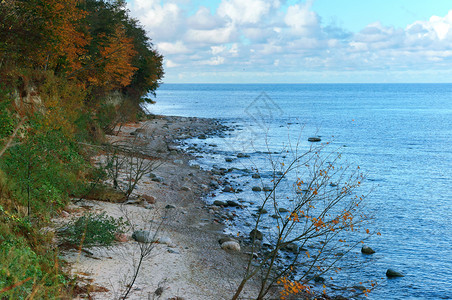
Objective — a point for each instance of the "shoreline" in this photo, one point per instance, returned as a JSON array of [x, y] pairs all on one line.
[[191, 264]]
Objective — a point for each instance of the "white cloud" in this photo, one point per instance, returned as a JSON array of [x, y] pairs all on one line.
[[301, 19], [172, 48], [245, 11], [259, 34]]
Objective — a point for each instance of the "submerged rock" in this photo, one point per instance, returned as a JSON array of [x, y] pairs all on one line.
[[232, 203], [256, 176], [219, 203], [256, 189], [391, 273]]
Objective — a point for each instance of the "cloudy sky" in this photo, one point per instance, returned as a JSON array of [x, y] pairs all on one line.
[[277, 41]]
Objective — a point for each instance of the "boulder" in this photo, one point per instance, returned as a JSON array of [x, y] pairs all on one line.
[[256, 189], [143, 236], [202, 137], [231, 246], [226, 239], [256, 234], [291, 247], [367, 250], [229, 159], [283, 210], [256, 176], [314, 139], [232, 203], [219, 203], [391, 273]]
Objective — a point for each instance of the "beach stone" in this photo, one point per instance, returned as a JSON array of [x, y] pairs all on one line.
[[391, 273], [178, 162], [367, 250], [232, 203], [214, 184], [169, 206], [157, 179], [283, 210], [148, 199], [241, 155], [121, 237], [219, 203], [274, 216], [359, 288], [185, 189], [291, 247], [143, 236], [267, 189], [226, 239], [231, 246], [229, 159], [228, 189], [202, 137], [152, 175], [319, 279], [256, 189], [256, 234], [314, 139], [256, 176], [262, 210]]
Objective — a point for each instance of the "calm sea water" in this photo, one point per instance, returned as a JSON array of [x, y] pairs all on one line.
[[400, 134]]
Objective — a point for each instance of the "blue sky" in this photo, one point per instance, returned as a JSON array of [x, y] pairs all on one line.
[[312, 41]]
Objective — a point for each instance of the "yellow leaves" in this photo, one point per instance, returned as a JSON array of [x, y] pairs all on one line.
[[367, 231], [307, 254]]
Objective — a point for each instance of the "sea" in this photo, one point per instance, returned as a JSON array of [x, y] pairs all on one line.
[[400, 136]]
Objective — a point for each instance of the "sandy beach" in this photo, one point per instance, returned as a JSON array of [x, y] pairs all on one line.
[[188, 261]]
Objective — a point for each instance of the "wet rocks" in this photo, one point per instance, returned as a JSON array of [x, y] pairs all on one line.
[[292, 247], [229, 159], [256, 176], [256, 189], [367, 250], [219, 203], [283, 210], [256, 235], [232, 203], [314, 139], [390, 273], [267, 189]]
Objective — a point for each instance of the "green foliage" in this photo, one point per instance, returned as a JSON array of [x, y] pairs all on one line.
[[92, 230]]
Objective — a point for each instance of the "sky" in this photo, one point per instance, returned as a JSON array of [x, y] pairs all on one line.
[[311, 41]]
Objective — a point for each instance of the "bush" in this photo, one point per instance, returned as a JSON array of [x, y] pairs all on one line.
[[92, 230]]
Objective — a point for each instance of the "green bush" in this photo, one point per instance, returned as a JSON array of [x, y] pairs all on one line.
[[92, 230]]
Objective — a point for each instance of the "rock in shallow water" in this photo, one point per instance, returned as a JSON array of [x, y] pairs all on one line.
[[256, 234], [367, 250], [391, 273]]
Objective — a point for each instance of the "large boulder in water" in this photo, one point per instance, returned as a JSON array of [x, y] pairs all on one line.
[[367, 250], [391, 273]]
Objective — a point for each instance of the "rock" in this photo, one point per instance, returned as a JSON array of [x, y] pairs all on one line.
[[178, 162], [169, 206], [262, 210], [185, 189], [256, 176], [274, 216], [226, 239], [228, 189], [391, 273], [256, 189], [121, 237], [314, 139], [267, 189], [140, 130], [65, 214], [213, 184], [241, 155], [164, 240], [148, 199], [143, 236], [319, 279], [367, 250], [232, 203], [157, 179], [283, 210], [152, 175], [256, 234], [231, 246], [359, 288], [229, 159], [292, 247], [202, 137], [219, 203]]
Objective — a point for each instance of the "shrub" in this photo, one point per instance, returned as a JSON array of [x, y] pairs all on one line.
[[92, 230]]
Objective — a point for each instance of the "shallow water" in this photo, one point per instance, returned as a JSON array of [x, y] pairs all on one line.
[[399, 134]]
